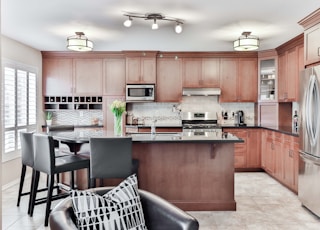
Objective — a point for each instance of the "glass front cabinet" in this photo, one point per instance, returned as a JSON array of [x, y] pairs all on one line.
[[268, 80]]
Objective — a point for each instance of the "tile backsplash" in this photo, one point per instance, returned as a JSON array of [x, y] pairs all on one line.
[[77, 117], [169, 113]]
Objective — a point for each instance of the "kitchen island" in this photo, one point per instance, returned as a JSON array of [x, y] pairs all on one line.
[[193, 172]]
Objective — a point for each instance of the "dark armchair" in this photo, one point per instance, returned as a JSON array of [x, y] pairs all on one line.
[[158, 213]]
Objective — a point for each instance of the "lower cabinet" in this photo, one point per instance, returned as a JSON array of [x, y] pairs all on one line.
[[280, 157], [246, 154]]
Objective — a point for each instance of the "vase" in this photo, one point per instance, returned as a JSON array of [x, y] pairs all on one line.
[[117, 125], [49, 122]]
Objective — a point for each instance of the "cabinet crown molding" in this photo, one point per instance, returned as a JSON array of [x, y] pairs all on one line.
[[311, 20]]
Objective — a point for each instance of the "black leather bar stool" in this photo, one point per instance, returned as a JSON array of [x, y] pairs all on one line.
[[27, 159], [111, 158], [46, 162]]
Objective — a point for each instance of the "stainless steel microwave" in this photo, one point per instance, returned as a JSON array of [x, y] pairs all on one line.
[[140, 93]]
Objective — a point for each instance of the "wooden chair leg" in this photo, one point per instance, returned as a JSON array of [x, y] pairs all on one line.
[[23, 174]]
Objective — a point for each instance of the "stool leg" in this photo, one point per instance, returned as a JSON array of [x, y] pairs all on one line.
[[49, 199], [31, 190], [23, 174], [34, 191]]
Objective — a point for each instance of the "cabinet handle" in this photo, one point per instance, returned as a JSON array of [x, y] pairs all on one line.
[[319, 51]]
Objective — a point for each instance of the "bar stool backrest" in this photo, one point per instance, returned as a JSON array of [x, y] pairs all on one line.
[[110, 157], [27, 155], [44, 153]]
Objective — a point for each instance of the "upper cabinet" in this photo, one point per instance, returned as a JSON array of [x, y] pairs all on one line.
[[114, 78], [201, 72], [169, 80], [311, 25], [57, 76], [289, 67], [238, 79], [140, 67], [87, 76]]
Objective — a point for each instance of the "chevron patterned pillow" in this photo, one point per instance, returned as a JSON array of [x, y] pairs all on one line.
[[118, 209]]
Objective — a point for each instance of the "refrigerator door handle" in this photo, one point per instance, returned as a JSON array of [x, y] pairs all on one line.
[[312, 95], [308, 157]]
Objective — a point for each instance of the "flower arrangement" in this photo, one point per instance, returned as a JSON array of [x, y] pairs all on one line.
[[118, 107]]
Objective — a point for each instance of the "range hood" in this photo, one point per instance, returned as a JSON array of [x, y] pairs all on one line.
[[201, 91]]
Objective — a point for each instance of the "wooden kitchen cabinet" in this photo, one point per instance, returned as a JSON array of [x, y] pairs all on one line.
[[269, 154], [289, 66], [247, 154], [236, 75], [210, 72], [87, 76], [201, 72], [312, 44], [57, 76], [169, 80], [114, 77], [248, 76], [228, 79], [253, 148], [140, 70]]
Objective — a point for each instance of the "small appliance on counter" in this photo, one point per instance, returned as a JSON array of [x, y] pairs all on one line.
[[239, 118]]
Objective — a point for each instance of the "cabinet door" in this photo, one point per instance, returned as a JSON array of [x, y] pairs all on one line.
[[57, 77], [191, 72], [169, 80], [248, 76], [292, 74], [88, 76], [264, 145], [114, 78], [140, 70], [282, 80], [253, 148], [210, 76], [240, 149], [228, 78], [278, 159], [312, 44], [133, 66], [148, 70], [269, 157]]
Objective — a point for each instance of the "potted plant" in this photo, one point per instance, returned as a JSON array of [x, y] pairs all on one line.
[[49, 115]]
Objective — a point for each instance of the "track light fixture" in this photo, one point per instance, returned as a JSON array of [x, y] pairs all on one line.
[[154, 17]]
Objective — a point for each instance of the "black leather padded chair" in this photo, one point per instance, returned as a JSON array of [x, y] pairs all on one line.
[[111, 157], [159, 214], [46, 162], [61, 128]]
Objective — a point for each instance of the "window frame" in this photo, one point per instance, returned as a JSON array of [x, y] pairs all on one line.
[[7, 156]]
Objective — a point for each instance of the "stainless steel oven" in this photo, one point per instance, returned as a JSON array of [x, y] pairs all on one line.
[[200, 124]]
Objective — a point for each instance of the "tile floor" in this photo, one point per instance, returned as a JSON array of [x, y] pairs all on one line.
[[262, 203]]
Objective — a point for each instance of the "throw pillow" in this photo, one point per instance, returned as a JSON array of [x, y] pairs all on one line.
[[118, 209]]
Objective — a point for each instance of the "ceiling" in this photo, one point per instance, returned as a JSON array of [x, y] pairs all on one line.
[[209, 25]]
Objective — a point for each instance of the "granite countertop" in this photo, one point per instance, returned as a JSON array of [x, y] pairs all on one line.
[[282, 129], [218, 137]]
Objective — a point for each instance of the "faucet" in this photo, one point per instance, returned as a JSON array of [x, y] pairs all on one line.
[[153, 127]]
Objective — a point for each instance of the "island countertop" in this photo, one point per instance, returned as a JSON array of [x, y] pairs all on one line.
[[83, 136]]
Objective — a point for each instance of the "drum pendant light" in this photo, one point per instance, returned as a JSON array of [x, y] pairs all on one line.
[[246, 42], [79, 42]]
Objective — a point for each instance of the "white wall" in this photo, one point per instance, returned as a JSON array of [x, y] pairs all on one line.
[[14, 51]]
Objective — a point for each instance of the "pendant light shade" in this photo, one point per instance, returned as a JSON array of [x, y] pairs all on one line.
[[246, 42], [79, 42]]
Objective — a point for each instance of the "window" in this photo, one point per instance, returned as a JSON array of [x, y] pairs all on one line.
[[20, 107]]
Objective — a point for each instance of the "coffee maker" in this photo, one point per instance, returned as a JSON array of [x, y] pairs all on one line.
[[239, 118]]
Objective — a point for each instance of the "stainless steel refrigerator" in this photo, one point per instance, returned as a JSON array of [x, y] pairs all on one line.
[[309, 135]]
